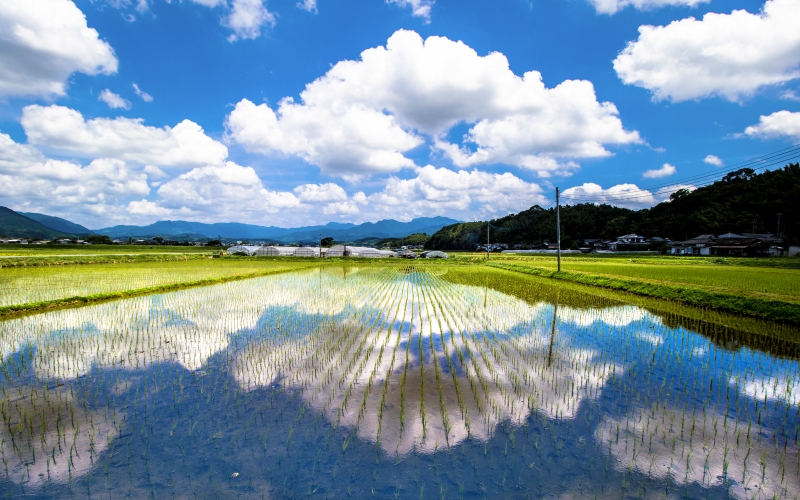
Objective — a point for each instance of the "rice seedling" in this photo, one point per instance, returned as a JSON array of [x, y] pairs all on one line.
[[295, 381]]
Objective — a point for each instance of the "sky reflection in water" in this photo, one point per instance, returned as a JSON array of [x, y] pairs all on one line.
[[390, 382]]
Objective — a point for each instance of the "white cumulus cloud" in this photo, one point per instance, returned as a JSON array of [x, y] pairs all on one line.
[[713, 160], [31, 181], [777, 125], [440, 191], [727, 55], [419, 8], [664, 171], [229, 190], [114, 101], [247, 18], [42, 42], [363, 116], [64, 129], [341, 140], [308, 5], [621, 195], [614, 6], [236, 193], [320, 192]]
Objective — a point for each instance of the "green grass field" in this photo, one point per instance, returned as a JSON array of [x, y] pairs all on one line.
[[83, 250], [42, 284], [764, 282]]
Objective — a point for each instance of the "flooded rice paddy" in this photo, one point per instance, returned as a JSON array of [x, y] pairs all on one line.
[[389, 383]]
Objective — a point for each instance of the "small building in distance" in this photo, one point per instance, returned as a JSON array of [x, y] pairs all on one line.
[[730, 245], [699, 245], [492, 247], [629, 242]]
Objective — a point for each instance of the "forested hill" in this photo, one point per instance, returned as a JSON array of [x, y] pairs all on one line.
[[730, 204]]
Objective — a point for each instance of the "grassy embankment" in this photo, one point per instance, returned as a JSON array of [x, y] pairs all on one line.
[[62, 255], [31, 289], [768, 291]]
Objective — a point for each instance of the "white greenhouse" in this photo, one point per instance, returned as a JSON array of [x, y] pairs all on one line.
[[242, 250], [435, 254], [337, 251], [307, 252], [352, 251], [275, 251], [373, 253]]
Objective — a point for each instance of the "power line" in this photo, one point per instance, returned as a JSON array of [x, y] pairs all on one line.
[[771, 159]]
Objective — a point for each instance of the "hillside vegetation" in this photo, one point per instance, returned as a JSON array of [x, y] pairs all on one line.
[[730, 204], [57, 223], [15, 225]]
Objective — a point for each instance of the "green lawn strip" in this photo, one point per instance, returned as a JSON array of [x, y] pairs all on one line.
[[779, 284], [773, 310], [44, 260], [46, 305], [768, 262]]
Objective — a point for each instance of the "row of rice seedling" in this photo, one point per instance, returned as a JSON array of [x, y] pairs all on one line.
[[39, 284], [778, 283], [400, 360], [407, 401]]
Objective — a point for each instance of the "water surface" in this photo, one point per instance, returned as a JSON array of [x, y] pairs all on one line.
[[389, 382]]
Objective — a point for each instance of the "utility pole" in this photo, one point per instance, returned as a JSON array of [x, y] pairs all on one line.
[[320, 245], [558, 230], [219, 239], [778, 234], [487, 240]]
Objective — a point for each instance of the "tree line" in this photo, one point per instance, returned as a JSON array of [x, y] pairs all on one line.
[[741, 202]]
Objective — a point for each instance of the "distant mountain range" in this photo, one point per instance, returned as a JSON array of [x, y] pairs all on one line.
[[35, 225], [388, 228], [16, 225], [57, 223]]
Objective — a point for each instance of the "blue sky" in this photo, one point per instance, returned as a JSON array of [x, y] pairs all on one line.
[[290, 113]]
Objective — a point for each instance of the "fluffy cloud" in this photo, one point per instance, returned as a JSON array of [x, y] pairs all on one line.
[[727, 55], [309, 5], [664, 171], [228, 190], [776, 125], [234, 192], [341, 140], [439, 191], [30, 181], [713, 160], [363, 116], [113, 100], [320, 192], [419, 8], [621, 195], [614, 6], [42, 42], [247, 18], [64, 129]]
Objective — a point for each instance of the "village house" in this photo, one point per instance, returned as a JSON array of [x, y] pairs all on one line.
[[729, 245], [628, 242]]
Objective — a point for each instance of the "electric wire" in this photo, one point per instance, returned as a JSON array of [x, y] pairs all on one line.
[[762, 162]]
